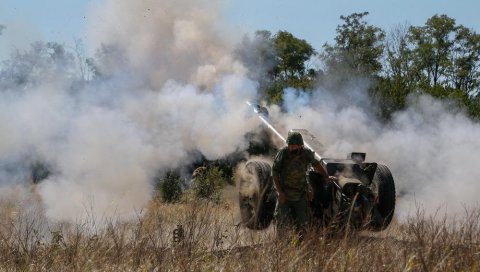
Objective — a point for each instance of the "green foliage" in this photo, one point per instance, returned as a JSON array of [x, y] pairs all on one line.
[[226, 169], [391, 95], [473, 106], [465, 72], [444, 56], [274, 93], [171, 187], [291, 70], [439, 58], [208, 183], [292, 54], [357, 50], [432, 46], [278, 62]]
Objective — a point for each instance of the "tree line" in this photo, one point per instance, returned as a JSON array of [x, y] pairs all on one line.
[[440, 58]]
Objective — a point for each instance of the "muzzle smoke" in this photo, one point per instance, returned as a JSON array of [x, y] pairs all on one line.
[[169, 87], [430, 147]]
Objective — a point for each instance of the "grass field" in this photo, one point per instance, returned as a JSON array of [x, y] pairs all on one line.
[[213, 241]]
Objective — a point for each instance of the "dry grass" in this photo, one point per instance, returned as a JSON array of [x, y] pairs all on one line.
[[212, 242]]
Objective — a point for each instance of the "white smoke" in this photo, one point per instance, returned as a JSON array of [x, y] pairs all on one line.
[[168, 40], [431, 147], [169, 87]]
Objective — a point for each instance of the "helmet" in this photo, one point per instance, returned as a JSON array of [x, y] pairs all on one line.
[[294, 138]]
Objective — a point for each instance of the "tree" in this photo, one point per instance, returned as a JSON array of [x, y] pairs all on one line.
[[464, 73], [43, 60], [433, 44], [440, 58], [473, 105], [398, 72], [357, 50], [398, 56], [278, 62], [446, 58], [171, 187], [292, 55], [208, 183], [290, 70]]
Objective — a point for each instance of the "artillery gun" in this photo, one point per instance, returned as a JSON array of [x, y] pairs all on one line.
[[362, 197]]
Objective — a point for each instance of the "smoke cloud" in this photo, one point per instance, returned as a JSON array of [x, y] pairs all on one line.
[[431, 147], [169, 88], [172, 40]]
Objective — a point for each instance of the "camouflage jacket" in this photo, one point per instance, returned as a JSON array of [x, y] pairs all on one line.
[[292, 170]]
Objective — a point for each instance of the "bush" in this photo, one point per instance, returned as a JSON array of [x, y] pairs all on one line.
[[208, 182], [171, 187]]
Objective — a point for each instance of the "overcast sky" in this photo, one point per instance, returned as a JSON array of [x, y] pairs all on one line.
[[312, 20]]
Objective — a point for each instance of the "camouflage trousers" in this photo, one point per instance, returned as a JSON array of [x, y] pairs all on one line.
[[292, 213]]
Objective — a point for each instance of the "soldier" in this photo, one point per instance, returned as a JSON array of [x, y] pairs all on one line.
[[289, 172]]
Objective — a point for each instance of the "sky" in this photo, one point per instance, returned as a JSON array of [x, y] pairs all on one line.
[[316, 20], [312, 20]]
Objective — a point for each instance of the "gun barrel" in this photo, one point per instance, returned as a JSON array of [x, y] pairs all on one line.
[[262, 114], [264, 120]]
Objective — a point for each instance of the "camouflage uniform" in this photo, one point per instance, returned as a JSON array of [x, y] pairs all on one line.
[[292, 169]]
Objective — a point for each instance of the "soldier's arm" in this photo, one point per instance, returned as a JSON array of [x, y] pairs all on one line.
[[276, 183], [276, 169], [317, 166], [321, 170]]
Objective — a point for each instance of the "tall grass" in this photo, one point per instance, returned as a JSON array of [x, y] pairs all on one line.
[[212, 241]]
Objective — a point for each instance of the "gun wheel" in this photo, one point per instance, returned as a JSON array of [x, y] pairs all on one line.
[[257, 199], [383, 186]]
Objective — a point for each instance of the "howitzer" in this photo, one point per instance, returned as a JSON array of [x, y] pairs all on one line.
[[362, 195]]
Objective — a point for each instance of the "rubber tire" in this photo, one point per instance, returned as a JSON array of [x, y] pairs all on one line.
[[257, 207], [385, 205]]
